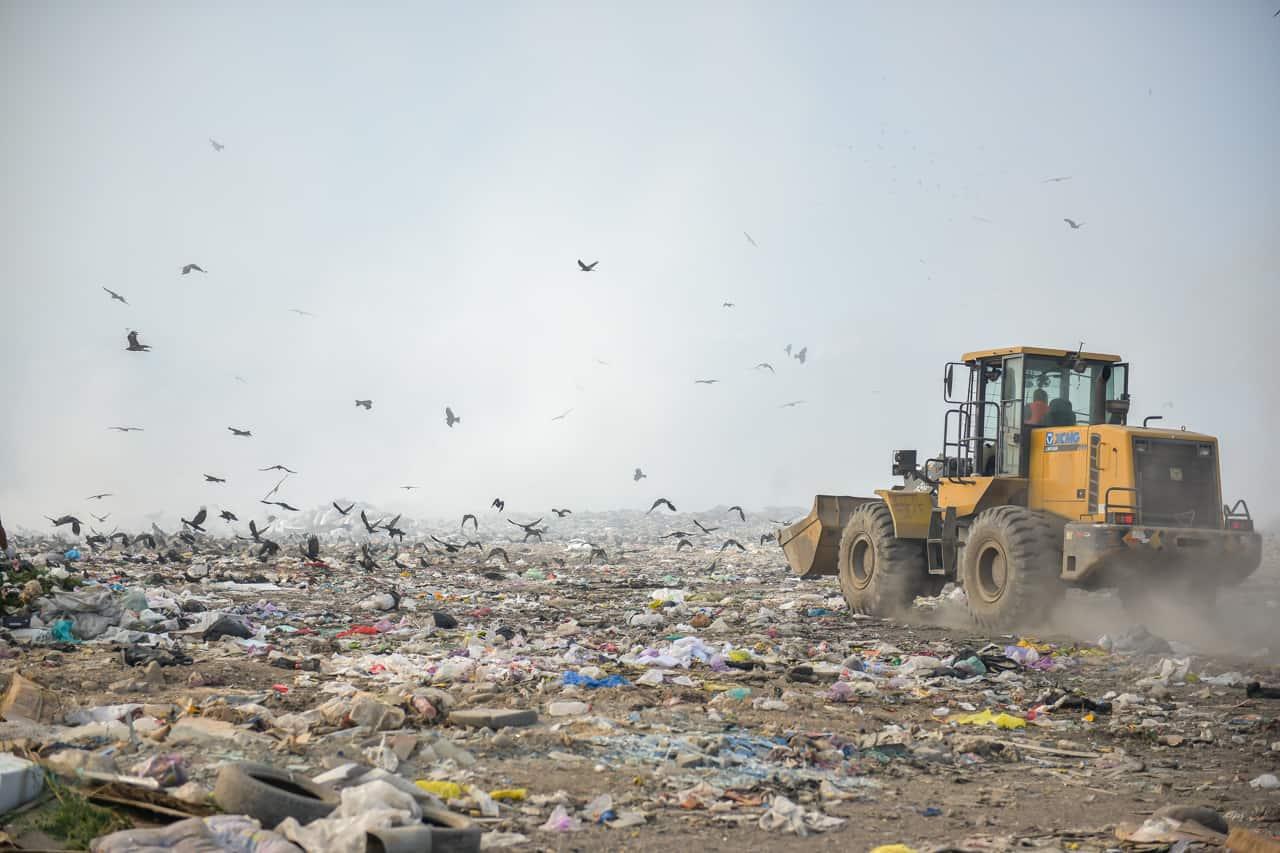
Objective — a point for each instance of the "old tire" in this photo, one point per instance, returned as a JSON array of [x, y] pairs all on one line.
[[880, 574], [1010, 566], [439, 831], [271, 794]]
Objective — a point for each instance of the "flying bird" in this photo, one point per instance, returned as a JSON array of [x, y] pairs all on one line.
[[302, 313], [727, 305], [764, 365], [475, 525], [196, 520], [498, 552], [1056, 180], [99, 496], [749, 240], [372, 528], [254, 532], [448, 546], [1075, 226], [117, 297], [675, 534], [705, 381], [125, 429], [217, 146], [587, 267], [698, 524], [766, 537], [409, 489], [738, 510], [450, 418], [791, 405], [282, 505], [243, 433], [499, 504], [787, 350], [228, 516], [134, 345], [734, 542], [187, 269], [276, 487], [802, 355], [367, 404], [67, 519], [278, 468], [561, 513], [683, 543], [101, 518], [660, 502], [638, 475], [525, 527], [209, 478], [342, 511], [562, 415]]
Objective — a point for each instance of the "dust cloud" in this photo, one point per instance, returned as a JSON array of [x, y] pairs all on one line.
[[1243, 623]]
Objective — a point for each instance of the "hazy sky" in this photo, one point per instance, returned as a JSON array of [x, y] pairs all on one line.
[[423, 177]]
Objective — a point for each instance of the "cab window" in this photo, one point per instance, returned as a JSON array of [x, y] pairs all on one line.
[[1057, 394]]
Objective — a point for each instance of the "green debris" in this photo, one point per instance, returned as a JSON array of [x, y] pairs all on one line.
[[71, 818]]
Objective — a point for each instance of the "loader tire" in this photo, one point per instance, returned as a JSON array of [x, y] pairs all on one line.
[[1010, 566], [880, 574]]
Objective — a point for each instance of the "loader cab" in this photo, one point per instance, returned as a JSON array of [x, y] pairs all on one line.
[[1014, 390]]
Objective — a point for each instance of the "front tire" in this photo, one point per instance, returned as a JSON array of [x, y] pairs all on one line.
[[880, 574], [1012, 559]]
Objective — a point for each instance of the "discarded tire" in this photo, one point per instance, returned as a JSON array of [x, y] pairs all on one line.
[[271, 794], [441, 831]]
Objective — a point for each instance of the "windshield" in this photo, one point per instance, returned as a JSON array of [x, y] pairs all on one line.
[[1055, 394]]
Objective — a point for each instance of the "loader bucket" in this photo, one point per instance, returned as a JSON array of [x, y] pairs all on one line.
[[812, 544]]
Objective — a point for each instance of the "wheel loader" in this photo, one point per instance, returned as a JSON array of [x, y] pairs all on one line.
[[1041, 484]]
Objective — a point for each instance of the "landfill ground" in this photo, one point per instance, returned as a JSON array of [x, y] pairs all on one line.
[[756, 711]]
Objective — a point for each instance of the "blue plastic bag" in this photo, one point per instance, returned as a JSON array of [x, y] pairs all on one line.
[[61, 631], [587, 681]]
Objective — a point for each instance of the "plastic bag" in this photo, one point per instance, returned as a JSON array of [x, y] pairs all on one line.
[[575, 678]]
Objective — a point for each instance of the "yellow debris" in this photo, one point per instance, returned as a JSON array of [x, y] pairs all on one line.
[[443, 790], [514, 794], [986, 718], [894, 848]]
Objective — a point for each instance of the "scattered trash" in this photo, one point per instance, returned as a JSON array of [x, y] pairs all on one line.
[[425, 697]]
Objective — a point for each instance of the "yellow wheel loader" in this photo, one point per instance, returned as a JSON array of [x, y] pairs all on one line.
[[1041, 484]]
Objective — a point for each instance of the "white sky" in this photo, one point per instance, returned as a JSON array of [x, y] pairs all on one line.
[[423, 178]]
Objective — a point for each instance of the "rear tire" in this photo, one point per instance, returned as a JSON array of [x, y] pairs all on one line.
[[1010, 566], [880, 574]]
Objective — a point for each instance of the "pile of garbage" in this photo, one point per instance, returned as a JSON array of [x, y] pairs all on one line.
[[472, 702]]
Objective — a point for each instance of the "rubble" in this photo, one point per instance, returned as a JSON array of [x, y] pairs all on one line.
[[649, 692]]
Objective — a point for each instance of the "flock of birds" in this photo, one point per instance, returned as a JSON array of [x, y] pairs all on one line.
[[309, 549], [451, 419]]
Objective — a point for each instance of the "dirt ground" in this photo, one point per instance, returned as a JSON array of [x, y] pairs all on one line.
[[1061, 782]]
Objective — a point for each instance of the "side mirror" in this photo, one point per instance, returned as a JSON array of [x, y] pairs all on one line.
[[1117, 407], [946, 382]]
